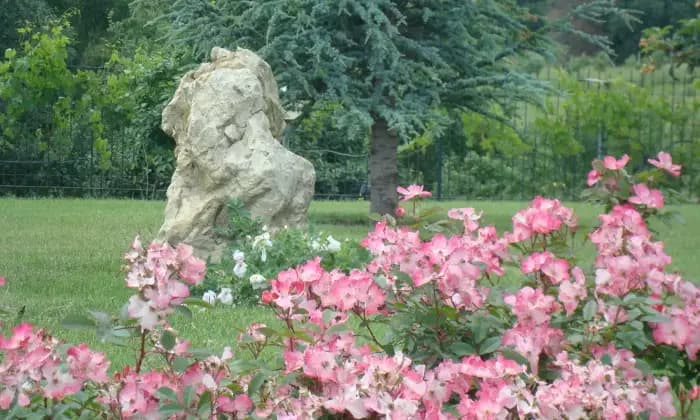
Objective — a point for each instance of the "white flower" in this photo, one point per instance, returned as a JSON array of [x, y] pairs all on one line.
[[142, 310], [262, 240], [209, 297], [225, 296], [238, 256], [240, 269], [332, 244], [258, 281], [209, 382], [315, 245]]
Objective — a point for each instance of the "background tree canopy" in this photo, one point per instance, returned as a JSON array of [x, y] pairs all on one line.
[[391, 65], [442, 83]]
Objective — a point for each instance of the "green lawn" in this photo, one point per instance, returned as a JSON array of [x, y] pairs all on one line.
[[63, 257]]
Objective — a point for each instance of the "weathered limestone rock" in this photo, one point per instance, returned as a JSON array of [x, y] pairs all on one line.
[[227, 120]]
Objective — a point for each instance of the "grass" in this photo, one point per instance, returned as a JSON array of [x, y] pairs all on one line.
[[63, 257]]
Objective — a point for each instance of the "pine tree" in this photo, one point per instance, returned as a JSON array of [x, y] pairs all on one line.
[[394, 65]]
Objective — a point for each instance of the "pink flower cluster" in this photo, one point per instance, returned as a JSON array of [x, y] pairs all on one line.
[[627, 258], [33, 365], [598, 390], [629, 261], [532, 335], [161, 274], [542, 217], [341, 375], [328, 368], [682, 331], [610, 167], [344, 377], [313, 289], [664, 162], [608, 164], [134, 395], [413, 191], [453, 263]]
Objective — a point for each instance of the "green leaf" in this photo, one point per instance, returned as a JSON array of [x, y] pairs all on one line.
[[192, 301], [256, 383], [170, 409], [241, 367], [495, 297], [656, 318], [489, 345], [643, 366], [166, 393], [184, 311], [120, 332], [637, 325], [462, 349], [337, 328], [269, 332], [381, 281], [101, 318], [180, 364], [167, 339], [73, 322], [589, 310], [575, 338], [632, 298], [200, 353], [204, 405], [511, 354], [188, 395], [480, 329], [288, 379], [301, 335], [86, 415], [328, 316], [124, 312], [633, 313]]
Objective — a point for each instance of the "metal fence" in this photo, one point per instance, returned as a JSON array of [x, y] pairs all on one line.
[[79, 177], [475, 173], [670, 123]]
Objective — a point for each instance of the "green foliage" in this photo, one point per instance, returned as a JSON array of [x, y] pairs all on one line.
[[241, 223], [385, 59], [43, 100], [92, 123], [651, 13], [678, 45], [338, 151], [479, 176], [610, 117], [131, 95], [398, 64], [548, 155], [16, 14]]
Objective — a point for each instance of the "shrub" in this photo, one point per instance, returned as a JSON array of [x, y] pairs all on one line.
[[257, 254], [459, 323]]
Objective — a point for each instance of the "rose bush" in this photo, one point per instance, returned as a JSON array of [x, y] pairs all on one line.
[[453, 320]]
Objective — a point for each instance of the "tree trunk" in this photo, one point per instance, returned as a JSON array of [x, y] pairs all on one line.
[[383, 168]]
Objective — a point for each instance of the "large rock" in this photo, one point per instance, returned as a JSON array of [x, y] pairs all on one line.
[[227, 120]]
